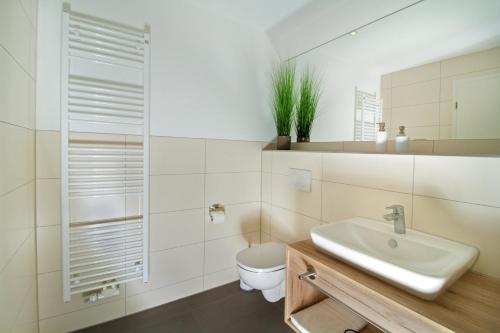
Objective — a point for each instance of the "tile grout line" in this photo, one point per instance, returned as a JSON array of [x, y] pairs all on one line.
[[204, 212]]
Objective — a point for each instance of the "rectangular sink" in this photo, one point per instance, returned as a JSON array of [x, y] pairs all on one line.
[[422, 264]]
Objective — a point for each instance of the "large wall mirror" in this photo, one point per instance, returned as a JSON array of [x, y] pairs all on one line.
[[433, 67]]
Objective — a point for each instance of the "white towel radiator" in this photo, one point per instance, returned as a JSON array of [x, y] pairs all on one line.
[[104, 154]]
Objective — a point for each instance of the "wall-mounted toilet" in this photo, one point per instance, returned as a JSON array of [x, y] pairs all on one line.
[[263, 267]]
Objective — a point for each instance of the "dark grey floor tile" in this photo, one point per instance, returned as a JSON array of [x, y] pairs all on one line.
[[220, 310], [213, 295]]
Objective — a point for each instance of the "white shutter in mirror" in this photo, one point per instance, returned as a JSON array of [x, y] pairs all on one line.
[[104, 154]]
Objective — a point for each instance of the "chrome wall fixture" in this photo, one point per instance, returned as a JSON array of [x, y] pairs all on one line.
[[104, 155]]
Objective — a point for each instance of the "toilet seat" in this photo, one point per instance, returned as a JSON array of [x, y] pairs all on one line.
[[268, 257]]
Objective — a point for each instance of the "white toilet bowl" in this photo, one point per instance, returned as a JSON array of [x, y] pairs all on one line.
[[262, 267]]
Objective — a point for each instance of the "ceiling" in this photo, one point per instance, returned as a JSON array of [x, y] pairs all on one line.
[[261, 14]]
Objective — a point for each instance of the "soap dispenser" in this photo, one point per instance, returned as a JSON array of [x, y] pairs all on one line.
[[381, 141], [402, 141]]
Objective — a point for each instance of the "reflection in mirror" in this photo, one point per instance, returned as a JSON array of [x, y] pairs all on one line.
[[433, 67]]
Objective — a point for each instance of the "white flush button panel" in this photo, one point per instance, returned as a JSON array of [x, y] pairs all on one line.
[[300, 179]]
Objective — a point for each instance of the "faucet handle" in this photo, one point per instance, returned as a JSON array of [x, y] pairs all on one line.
[[397, 209]]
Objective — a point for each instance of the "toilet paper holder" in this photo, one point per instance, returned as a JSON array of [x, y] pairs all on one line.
[[214, 209]]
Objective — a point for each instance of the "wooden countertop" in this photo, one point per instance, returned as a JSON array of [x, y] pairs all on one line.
[[471, 305]]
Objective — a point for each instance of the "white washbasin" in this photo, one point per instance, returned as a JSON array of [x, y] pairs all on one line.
[[420, 263]]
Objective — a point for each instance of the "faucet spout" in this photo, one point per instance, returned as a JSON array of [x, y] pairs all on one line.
[[398, 216]]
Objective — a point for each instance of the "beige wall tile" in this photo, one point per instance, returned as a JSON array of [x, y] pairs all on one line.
[[473, 62], [49, 249], [385, 81], [48, 202], [50, 297], [48, 150], [466, 179], [386, 98], [232, 188], [17, 281], [220, 278], [266, 187], [17, 208], [445, 134], [416, 74], [10, 242], [169, 267], [472, 147], [176, 156], [17, 148], [361, 146], [445, 113], [282, 161], [267, 160], [240, 219], [163, 295], [414, 94], [233, 156], [318, 146], [447, 88], [471, 224], [307, 203], [169, 230], [83, 318], [387, 117], [175, 192], [416, 115], [346, 201], [289, 227], [17, 104], [16, 33], [265, 218], [387, 172], [220, 254]]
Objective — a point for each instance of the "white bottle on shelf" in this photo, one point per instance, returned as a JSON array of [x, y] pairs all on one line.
[[402, 141], [381, 141]]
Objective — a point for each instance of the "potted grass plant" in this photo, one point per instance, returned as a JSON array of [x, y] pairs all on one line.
[[307, 103], [283, 79]]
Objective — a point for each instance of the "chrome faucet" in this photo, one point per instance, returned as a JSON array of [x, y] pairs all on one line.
[[398, 216]]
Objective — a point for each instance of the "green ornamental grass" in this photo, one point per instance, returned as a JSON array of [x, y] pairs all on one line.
[[309, 94], [283, 79]]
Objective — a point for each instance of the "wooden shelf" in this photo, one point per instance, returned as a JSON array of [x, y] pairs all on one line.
[[471, 305]]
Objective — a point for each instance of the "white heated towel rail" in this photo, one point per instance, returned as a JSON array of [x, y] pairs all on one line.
[[367, 113], [104, 154]]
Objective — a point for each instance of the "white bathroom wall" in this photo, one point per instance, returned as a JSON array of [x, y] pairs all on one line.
[[335, 118], [18, 290], [455, 197], [209, 75]]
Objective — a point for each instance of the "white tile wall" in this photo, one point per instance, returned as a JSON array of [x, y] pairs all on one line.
[[233, 156], [386, 172], [465, 179], [232, 188], [306, 203], [175, 192], [169, 230], [187, 253], [450, 196], [18, 311], [176, 156], [420, 98]]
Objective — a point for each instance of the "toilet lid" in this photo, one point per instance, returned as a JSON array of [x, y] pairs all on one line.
[[266, 257]]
